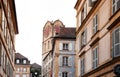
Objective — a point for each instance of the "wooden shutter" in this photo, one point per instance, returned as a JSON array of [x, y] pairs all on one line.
[[70, 46], [60, 46], [95, 58], [60, 60], [70, 60]]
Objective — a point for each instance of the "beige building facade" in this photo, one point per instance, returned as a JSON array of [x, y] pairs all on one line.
[[97, 37], [58, 50], [8, 30], [22, 66]]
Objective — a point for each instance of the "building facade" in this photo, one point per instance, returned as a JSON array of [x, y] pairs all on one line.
[[22, 66], [58, 50], [8, 30], [97, 37]]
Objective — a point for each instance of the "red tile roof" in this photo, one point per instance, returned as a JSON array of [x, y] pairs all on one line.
[[66, 33]]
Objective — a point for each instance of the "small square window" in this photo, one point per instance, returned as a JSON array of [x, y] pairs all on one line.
[[24, 61]]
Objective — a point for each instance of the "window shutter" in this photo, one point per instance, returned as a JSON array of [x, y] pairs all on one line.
[[70, 61], [60, 60], [70, 46], [60, 74], [117, 45], [112, 52], [70, 74], [60, 46], [85, 11]]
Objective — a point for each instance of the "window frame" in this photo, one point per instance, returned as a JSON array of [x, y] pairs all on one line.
[[115, 6], [83, 38], [95, 24], [113, 42], [95, 57], [64, 74], [65, 60], [65, 46], [24, 61], [82, 66]]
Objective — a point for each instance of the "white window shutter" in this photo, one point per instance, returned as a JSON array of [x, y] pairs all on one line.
[[60, 60], [60, 46], [70, 74], [70, 61], [60, 74], [70, 46]]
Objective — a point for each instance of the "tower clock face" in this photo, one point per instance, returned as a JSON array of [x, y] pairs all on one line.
[[47, 31]]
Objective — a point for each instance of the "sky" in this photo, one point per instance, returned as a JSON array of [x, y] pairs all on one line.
[[32, 16]]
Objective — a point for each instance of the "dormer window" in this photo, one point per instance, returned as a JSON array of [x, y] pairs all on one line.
[[17, 61], [24, 61]]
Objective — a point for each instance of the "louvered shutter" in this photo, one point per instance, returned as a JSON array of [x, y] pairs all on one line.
[[70, 46], [60, 74], [112, 52], [60, 46], [60, 60], [70, 61]]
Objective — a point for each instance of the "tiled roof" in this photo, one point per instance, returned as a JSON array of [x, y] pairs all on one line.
[[18, 55], [66, 33]]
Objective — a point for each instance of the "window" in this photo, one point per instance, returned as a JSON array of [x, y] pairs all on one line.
[[25, 75], [116, 42], [65, 46], [95, 24], [17, 61], [115, 5], [24, 61], [17, 75], [84, 12], [65, 61], [18, 69], [82, 62], [64, 74], [95, 58], [24, 69], [83, 38]]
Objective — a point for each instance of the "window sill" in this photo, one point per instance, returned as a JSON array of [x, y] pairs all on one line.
[[95, 34], [94, 42], [114, 14], [114, 23]]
